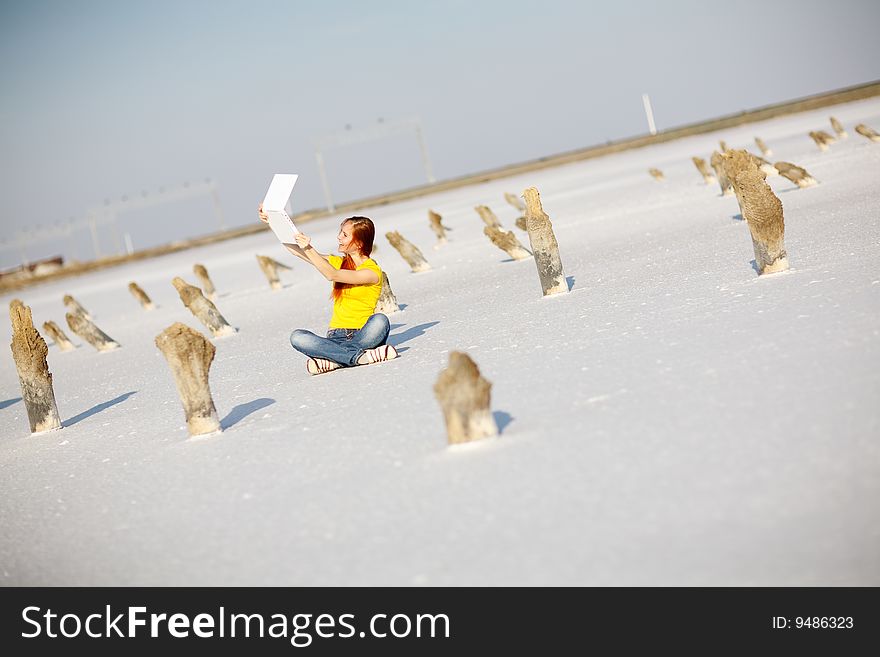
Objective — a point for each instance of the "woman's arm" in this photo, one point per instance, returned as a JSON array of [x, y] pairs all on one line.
[[294, 249], [298, 252], [328, 271]]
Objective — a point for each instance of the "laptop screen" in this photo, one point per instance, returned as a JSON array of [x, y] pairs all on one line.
[[278, 196]]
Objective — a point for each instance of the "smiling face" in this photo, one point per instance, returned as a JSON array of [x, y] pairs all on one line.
[[346, 243]]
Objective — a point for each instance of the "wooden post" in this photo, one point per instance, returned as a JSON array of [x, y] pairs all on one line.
[[488, 216], [734, 161], [838, 128], [29, 351], [867, 132], [766, 152], [205, 280], [723, 146], [141, 296], [717, 163], [465, 398], [86, 329], [822, 139], [202, 308], [522, 224], [514, 201], [764, 165], [436, 222], [544, 245], [387, 303], [795, 174], [656, 174], [408, 251], [189, 355], [762, 209], [703, 168], [74, 306], [61, 340], [270, 269], [507, 242]]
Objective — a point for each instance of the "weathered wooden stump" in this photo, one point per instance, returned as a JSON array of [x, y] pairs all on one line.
[[765, 151], [202, 308], [703, 168], [436, 222], [717, 163], [205, 281], [507, 242], [544, 245], [409, 251], [270, 267], [387, 303], [465, 398], [29, 351], [61, 340], [838, 128], [86, 329], [723, 146], [734, 161], [761, 209], [867, 132], [189, 355], [822, 139], [514, 200], [75, 307], [795, 174], [141, 296], [488, 216], [656, 174], [764, 165], [522, 224]]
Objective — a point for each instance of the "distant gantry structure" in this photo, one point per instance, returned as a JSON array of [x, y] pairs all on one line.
[[106, 216], [382, 129]]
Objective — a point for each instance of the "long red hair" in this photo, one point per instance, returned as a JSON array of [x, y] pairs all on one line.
[[363, 232]]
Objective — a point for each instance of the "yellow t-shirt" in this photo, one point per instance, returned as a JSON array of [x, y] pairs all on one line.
[[357, 302]]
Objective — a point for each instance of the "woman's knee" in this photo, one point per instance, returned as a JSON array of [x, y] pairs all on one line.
[[380, 327], [381, 322], [299, 338]]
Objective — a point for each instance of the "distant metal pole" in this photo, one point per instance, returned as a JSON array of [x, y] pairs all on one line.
[[217, 209], [324, 182], [425, 160], [22, 242], [115, 226], [93, 226], [649, 113]]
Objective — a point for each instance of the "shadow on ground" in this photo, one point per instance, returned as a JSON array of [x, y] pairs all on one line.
[[9, 402], [410, 333], [241, 411], [103, 406], [502, 419]]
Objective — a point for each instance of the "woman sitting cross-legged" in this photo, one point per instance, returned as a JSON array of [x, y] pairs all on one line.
[[357, 334]]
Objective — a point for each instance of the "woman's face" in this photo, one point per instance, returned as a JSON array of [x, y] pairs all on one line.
[[345, 242]]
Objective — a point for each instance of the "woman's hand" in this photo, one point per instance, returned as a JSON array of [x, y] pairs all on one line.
[[263, 216], [303, 241]]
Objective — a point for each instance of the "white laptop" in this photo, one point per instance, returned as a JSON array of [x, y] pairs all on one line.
[[276, 204]]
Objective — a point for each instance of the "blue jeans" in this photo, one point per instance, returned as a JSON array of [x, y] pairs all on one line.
[[343, 346]]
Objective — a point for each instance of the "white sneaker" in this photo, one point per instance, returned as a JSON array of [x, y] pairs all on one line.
[[321, 365], [377, 355]]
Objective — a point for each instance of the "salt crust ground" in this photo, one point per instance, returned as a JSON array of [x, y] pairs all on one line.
[[674, 419]]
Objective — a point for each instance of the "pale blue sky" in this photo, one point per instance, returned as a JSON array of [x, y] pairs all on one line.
[[104, 98]]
